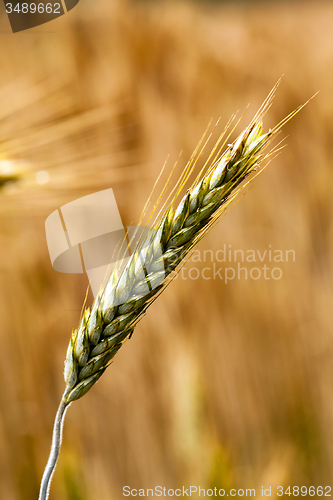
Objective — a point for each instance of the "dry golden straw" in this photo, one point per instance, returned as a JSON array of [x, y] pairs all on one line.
[[179, 226]]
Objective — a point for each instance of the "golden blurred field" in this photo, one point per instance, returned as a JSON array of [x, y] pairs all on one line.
[[226, 385]]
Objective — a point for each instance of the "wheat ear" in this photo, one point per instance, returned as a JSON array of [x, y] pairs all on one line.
[[121, 303]]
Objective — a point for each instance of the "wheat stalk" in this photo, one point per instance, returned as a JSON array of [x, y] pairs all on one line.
[[122, 302]]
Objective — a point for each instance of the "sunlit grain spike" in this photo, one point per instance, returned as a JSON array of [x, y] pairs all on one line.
[[180, 214], [71, 368]]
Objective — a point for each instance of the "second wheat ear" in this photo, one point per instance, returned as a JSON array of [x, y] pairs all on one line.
[[122, 301]]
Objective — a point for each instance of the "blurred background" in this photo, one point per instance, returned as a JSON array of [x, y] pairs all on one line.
[[226, 385]]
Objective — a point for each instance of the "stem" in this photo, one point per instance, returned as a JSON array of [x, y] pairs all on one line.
[[55, 449]]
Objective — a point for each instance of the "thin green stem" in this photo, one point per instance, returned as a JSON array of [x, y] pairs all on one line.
[[55, 449]]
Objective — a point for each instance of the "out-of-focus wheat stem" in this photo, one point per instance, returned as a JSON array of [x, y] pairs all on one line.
[[55, 449]]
